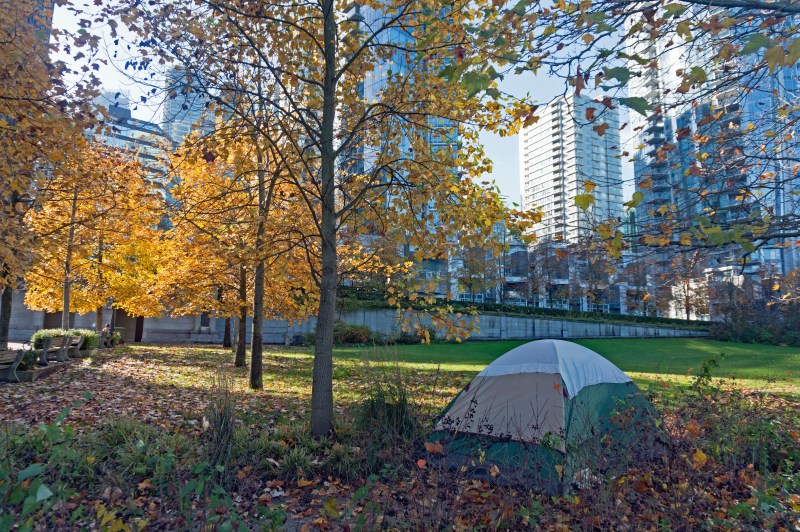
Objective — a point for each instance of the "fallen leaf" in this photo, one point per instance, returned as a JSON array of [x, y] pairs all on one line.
[[421, 463], [699, 459], [303, 483], [434, 447]]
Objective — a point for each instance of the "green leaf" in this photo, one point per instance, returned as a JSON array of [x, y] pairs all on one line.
[[775, 57], [673, 10], [475, 82], [637, 198], [794, 52], [621, 74], [756, 42], [633, 57], [519, 9], [637, 103], [697, 75], [584, 200], [43, 493], [684, 29], [30, 472]]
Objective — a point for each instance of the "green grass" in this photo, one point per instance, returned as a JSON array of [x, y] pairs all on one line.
[[755, 365]]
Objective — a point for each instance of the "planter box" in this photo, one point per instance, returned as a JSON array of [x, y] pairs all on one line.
[[38, 373]]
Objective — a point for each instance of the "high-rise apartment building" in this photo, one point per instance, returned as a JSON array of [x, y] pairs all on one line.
[[559, 154], [142, 139], [185, 107], [684, 177]]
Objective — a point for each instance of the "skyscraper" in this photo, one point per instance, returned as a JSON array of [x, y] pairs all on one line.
[[707, 147], [184, 107], [142, 139], [559, 154]]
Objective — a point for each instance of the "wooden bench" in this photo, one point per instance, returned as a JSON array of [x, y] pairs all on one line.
[[54, 350], [74, 346], [9, 361]]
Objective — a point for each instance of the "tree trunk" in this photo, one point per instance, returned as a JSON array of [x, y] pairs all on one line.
[[5, 316], [226, 336], [257, 334], [322, 382], [68, 262], [98, 322], [241, 337]]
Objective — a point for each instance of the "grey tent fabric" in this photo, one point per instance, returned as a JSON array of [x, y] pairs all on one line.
[[578, 366]]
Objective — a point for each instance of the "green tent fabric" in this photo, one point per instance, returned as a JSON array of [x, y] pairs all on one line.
[[543, 412]]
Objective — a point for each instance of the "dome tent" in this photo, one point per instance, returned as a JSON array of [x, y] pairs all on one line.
[[542, 412]]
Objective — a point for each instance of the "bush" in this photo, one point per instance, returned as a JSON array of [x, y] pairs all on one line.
[[387, 424], [91, 340], [29, 361], [344, 333], [406, 339], [344, 462], [116, 338], [257, 450]]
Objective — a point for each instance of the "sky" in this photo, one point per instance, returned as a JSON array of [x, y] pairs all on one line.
[[503, 151]]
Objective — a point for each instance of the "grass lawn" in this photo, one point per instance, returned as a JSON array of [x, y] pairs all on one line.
[[140, 442], [770, 367]]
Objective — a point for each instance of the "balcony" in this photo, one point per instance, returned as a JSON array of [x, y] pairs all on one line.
[[655, 127]]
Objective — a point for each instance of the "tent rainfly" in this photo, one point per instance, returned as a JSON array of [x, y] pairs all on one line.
[[544, 411]]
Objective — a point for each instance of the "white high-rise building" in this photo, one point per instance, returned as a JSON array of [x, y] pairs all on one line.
[[184, 107], [562, 153]]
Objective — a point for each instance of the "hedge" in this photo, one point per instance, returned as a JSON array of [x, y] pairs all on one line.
[[91, 340]]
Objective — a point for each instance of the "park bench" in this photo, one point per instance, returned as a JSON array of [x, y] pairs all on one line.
[[54, 349], [9, 361], [74, 346]]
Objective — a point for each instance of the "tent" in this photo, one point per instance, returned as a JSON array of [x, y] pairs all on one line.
[[543, 412]]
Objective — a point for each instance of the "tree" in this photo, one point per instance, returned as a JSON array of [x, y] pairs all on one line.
[[688, 284], [215, 220], [40, 118], [549, 272], [366, 130], [713, 168], [96, 236]]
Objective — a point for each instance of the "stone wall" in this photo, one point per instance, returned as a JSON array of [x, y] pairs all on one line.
[[25, 322], [492, 327]]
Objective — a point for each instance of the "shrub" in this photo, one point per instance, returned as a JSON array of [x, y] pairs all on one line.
[[29, 361], [344, 333], [131, 451], [90, 338], [387, 424], [116, 338], [296, 464], [343, 462], [722, 332], [221, 418], [257, 450]]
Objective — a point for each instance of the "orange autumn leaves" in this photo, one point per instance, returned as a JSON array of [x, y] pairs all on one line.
[[113, 234]]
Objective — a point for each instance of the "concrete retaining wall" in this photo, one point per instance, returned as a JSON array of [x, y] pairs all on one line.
[[25, 322]]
